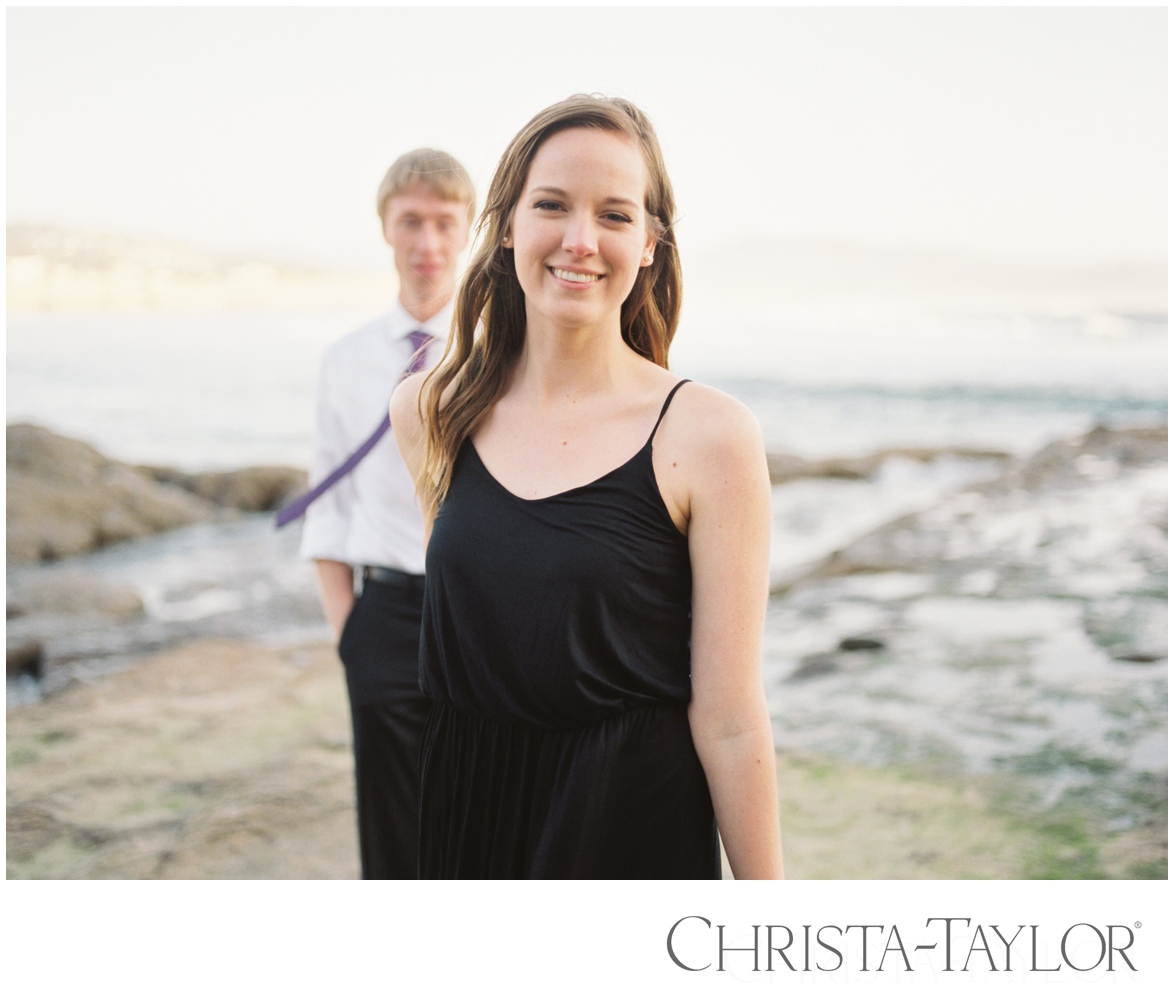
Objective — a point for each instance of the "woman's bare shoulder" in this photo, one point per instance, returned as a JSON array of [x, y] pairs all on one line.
[[709, 447], [706, 422], [405, 408]]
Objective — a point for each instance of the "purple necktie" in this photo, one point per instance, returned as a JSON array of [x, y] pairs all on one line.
[[297, 508]]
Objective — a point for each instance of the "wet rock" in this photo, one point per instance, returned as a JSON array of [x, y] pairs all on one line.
[[1129, 628], [854, 643], [24, 656], [44, 454], [65, 498], [789, 467], [251, 489], [1097, 456], [815, 666], [1006, 524], [74, 594]]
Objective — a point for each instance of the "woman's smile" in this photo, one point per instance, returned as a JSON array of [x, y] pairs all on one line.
[[576, 277], [579, 233]]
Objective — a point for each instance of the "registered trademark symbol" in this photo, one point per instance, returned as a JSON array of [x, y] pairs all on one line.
[[1137, 924]]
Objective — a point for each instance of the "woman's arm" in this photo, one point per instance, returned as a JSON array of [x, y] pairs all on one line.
[[408, 428], [406, 424], [729, 513]]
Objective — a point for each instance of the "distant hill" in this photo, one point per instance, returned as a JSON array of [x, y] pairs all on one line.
[[55, 268], [758, 273]]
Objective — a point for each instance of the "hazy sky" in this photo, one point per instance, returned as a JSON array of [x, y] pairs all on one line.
[[1024, 133]]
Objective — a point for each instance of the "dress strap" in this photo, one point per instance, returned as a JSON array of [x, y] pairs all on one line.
[[665, 408]]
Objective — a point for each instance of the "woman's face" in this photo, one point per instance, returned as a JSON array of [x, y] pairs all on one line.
[[579, 232]]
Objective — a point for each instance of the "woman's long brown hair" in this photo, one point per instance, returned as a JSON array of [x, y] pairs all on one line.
[[489, 320]]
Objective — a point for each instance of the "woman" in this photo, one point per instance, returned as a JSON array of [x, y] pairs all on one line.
[[597, 564]]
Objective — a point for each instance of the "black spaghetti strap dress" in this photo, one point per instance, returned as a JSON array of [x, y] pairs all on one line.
[[555, 646]]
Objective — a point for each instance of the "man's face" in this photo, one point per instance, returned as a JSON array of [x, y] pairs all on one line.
[[427, 235]]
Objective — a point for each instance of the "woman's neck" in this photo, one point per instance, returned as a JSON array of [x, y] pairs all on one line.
[[558, 363]]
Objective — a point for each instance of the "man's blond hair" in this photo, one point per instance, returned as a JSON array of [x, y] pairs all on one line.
[[437, 170]]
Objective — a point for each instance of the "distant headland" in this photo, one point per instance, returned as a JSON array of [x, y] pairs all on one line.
[[64, 269], [60, 269]]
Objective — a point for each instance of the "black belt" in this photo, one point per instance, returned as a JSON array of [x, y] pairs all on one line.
[[397, 579]]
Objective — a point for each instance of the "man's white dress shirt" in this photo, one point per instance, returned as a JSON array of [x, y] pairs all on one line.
[[371, 515]]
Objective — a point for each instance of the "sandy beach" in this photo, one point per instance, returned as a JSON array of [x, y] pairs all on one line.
[[218, 759]]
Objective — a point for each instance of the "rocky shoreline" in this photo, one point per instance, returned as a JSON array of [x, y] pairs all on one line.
[[791, 467], [221, 760], [1013, 628], [228, 760], [920, 542], [65, 498], [192, 720]]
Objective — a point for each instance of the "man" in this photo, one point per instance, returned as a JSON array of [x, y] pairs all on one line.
[[366, 530]]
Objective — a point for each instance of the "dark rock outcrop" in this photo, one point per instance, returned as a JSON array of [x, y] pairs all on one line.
[[789, 467], [24, 656], [1100, 453], [923, 542], [251, 489], [66, 498]]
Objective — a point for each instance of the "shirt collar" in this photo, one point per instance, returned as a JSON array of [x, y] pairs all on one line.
[[401, 322]]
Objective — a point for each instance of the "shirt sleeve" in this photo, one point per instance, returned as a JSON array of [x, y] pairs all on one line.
[[327, 521]]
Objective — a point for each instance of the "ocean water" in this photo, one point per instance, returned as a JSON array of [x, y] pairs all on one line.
[[997, 629], [204, 391], [1012, 655]]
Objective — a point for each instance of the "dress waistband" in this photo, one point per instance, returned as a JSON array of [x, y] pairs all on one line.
[[440, 706]]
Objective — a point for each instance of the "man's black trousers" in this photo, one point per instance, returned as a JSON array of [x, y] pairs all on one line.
[[380, 649]]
